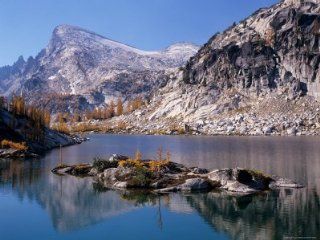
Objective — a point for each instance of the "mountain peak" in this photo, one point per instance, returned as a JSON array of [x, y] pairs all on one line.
[[66, 29], [182, 45], [79, 37], [80, 62], [19, 62]]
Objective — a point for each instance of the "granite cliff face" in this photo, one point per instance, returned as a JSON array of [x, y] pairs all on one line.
[[260, 76], [87, 70], [276, 48]]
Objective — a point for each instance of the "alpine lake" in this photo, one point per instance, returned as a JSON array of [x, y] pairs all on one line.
[[37, 204]]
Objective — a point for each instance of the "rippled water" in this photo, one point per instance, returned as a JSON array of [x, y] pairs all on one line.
[[35, 204]]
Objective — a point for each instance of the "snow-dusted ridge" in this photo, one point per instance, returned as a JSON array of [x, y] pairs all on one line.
[[91, 68], [63, 30], [67, 30]]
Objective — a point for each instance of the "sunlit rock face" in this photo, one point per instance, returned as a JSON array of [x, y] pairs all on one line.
[[259, 66], [90, 70]]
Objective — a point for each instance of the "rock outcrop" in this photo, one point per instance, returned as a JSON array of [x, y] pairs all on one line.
[[163, 177]]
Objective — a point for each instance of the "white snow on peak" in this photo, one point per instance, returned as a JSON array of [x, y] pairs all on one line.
[[75, 34]]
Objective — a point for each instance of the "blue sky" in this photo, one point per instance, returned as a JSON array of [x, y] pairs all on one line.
[[26, 25]]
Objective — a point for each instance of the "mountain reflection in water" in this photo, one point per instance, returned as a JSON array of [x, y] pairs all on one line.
[[77, 203]]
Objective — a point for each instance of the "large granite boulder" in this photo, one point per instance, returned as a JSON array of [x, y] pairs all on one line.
[[240, 180], [196, 184], [279, 182], [248, 181]]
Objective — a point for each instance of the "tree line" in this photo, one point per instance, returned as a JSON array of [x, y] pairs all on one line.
[[37, 119], [112, 109]]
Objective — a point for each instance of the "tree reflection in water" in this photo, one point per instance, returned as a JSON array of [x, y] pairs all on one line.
[[74, 203]]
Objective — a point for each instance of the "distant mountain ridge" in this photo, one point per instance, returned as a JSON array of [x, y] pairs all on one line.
[[90, 69]]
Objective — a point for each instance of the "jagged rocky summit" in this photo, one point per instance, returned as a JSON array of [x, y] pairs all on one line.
[[121, 172], [80, 70]]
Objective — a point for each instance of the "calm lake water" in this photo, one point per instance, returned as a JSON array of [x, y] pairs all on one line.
[[35, 204]]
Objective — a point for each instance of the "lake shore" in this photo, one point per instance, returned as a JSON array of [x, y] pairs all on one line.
[[55, 141]]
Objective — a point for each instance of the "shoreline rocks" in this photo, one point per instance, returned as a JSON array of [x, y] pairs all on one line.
[[8, 153], [121, 172], [14, 153], [284, 119]]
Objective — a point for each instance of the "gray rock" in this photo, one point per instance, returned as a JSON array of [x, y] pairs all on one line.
[[284, 183], [292, 131], [197, 170], [109, 174], [200, 123], [240, 180], [243, 130], [267, 130], [93, 172], [64, 170], [195, 184], [230, 129], [117, 157], [222, 176], [120, 185], [237, 187], [167, 190], [258, 131]]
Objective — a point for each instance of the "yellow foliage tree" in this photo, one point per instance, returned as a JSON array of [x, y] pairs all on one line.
[[119, 107]]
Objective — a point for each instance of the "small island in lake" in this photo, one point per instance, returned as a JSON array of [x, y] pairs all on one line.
[[163, 175]]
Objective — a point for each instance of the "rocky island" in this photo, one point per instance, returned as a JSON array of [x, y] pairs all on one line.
[[163, 175]]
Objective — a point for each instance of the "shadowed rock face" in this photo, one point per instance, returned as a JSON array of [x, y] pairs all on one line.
[[18, 129], [274, 48]]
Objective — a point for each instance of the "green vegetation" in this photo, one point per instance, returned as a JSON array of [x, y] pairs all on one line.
[[102, 164], [142, 177]]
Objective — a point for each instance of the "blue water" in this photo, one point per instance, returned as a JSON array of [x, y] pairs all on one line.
[[36, 204]]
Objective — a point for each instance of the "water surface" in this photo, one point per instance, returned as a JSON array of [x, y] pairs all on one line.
[[35, 204]]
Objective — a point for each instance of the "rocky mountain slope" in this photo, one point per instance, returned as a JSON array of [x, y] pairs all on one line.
[[88, 70], [260, 76]]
